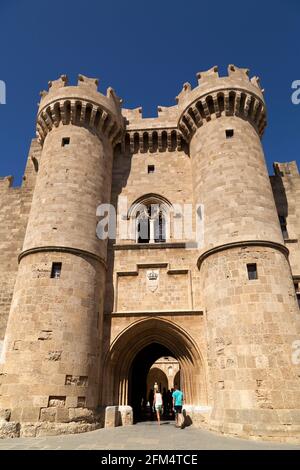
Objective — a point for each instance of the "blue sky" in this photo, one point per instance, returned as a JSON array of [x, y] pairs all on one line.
[[146, 50]]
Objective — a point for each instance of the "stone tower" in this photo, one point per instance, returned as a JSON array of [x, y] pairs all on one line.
[[53, 337], [89, 318], [251, 310]]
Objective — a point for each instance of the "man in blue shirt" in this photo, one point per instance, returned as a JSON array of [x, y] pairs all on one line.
[[177, 402]]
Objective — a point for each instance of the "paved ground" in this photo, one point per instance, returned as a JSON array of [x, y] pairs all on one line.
[[144, 436]]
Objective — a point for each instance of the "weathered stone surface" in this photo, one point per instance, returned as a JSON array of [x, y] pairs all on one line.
[[48, 414], [53, 429], [75, 332], [112, 416], [5, 415], [81, 414], [9, 429], [54, 355]]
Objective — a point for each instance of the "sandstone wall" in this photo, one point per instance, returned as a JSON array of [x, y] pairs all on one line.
[[15, 205], [232, 335], [286, 188]]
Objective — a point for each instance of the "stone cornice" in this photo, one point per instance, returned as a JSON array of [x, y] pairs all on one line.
[[80, 105], [148, 246], [62, 249], [228, 101], [242, 244], [153, 313]]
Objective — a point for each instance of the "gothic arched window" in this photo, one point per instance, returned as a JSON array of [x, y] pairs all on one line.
[[151, 225], [151, 216]]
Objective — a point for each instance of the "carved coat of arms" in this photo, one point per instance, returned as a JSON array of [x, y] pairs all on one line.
[[152, 278]]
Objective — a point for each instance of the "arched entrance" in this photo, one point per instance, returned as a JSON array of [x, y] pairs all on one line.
[[138, 394], [135, 350], [163, 371], [156, 375]]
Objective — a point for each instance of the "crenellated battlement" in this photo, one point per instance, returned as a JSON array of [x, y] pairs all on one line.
[[233, 95], [156, 134], [210, 80], [6, 182], [153, 140], [286, 169], [81, 105]]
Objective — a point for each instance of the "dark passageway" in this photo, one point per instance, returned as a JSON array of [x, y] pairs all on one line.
[[138, 379]]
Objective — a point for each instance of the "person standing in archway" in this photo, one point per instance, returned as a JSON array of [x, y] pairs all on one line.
[[158, 402], [177, 405]]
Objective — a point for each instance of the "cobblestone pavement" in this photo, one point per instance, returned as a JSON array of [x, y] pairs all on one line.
[[144, 436]]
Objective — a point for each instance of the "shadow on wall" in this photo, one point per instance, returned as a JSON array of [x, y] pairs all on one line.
[[280, 170], [122, 167]]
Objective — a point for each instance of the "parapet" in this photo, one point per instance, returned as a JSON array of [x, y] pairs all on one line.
[[286, 169], [235, 94], [81, 105], [6, 182], [210, 81], [156, 134], [167, 117]]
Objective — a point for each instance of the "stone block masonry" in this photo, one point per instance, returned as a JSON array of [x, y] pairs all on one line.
[[82, 320]]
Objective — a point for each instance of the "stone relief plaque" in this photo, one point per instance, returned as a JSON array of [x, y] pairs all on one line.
[[152, 279]]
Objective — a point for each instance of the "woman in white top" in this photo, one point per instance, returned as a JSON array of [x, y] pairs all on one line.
[[158, 404]]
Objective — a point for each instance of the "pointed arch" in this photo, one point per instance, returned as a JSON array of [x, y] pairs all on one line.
[[150, 219], [146, 199], [137, 336]]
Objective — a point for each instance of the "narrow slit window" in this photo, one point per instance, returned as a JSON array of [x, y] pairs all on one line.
[[298, 298], [229, 133], [151, 168], [65, 141], [252, 271], [56, 270]]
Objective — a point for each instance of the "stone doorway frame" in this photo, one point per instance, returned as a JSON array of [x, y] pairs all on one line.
[[136, 337]]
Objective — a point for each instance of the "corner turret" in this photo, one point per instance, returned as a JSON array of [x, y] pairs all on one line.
[[235, 94]]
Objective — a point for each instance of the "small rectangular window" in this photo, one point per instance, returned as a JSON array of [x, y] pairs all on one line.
[[298, 298], [229, 133], [56, 270], [151, 168], [81, 402], [65, 141], [252, 271], [297, 286]]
